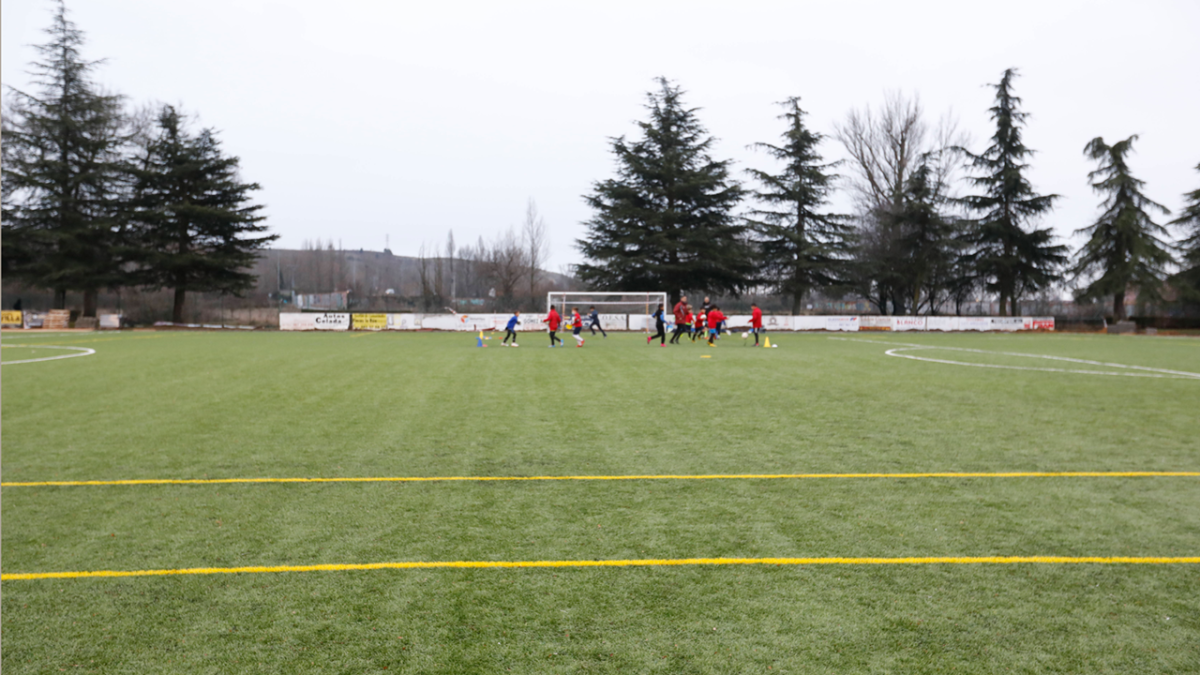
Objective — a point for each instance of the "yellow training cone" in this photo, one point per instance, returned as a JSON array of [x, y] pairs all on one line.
[[767, 343]]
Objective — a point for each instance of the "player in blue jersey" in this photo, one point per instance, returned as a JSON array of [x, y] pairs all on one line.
[[594, 321], [511, 329]]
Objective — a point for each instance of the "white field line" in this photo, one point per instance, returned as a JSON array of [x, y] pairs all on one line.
[[1144, 371], [25, 336], [82, 351]]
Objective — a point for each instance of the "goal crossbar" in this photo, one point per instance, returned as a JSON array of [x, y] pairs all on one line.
[[646, 301]]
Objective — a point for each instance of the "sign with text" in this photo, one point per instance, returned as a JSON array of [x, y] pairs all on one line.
[[370, 321]]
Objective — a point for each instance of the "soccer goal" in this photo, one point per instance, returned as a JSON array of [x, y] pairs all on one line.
[[618, 310]]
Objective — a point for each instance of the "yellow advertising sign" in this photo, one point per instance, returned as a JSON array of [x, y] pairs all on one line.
[[10, 317], [370, 321]]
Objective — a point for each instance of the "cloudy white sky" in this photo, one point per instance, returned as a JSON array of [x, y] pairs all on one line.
[[367, 119]]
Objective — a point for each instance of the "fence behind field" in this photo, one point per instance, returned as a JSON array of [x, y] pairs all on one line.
[[637, 322]]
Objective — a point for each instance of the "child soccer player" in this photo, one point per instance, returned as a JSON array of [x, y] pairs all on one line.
[[660, 325], [715, 317], [511, 329], [756, 326], [594, 319], [698, 325], [552, 321], [683, 322], [576, 327]]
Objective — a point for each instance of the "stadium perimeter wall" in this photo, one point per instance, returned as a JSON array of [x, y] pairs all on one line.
[[638, 322]]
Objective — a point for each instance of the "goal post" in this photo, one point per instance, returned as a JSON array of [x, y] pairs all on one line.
[[609, 305]]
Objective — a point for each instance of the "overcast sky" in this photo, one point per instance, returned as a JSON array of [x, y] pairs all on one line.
[[366, 119]]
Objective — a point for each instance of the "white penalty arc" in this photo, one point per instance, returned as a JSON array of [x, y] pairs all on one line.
[[1138, 371], [79, 351], [1130, 371]]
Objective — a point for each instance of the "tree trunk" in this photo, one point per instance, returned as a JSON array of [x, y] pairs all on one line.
[[1003, 303], [1119, 306], [797, 304], [89, 302], [60, 298], [177, 312]]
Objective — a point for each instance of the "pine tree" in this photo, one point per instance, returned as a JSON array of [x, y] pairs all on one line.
[[1123, 245], [926, 237], [1189, 277], [63, 185], [1013, 259], [195, 224], [799, 249], [665, 221]]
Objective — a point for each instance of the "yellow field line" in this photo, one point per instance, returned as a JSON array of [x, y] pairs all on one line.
[[460, 564], [742, 476]]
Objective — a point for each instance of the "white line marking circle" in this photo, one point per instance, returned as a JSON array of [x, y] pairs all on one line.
[[81, 351], [1143, 371]]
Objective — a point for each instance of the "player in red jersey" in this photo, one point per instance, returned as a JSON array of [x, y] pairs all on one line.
[[552, 322], [715, 319], [756, 326]]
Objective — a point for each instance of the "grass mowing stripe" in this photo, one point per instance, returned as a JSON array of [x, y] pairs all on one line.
[[732, 476], [478, 564]]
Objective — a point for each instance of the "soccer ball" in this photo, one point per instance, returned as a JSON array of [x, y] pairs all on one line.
[[745, 335]]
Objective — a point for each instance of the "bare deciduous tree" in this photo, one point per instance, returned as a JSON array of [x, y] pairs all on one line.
[[886, 144], [507, 263], [536, 243]]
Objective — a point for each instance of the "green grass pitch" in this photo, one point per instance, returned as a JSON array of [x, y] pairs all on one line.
[[237, 405]]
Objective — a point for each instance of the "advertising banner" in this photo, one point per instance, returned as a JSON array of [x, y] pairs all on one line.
[[908, 323], [403, 321], [941, 323], [974, 323], [297, 321], [370, 321], [875, 322], [641, 322], [331, 321], [11, 317], [535, 322], [808, 323], [478, 322], [439, 322], [772, 322], [110, 320], [1007, 323], [1040, 323], [842, 323]]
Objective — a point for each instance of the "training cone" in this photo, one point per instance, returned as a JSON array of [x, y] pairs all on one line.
[[767, 343]]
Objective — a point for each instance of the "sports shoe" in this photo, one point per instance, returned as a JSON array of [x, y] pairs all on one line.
[[648, 339], [662, 345], [582, 342], [514, 344]]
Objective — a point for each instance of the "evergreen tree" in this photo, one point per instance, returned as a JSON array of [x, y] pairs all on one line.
[[196, 227], [799, 248], [1123, 244], [926, 238], [665, 221], [62, 174], [1012, 259], [1189, 277]]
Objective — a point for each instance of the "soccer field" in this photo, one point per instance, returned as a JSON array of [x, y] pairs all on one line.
[[775, 524]]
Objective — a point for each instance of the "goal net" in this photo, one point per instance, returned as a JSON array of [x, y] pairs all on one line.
[[617, 310]]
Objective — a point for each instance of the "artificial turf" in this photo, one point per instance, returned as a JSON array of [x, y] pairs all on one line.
[[235, 405]]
